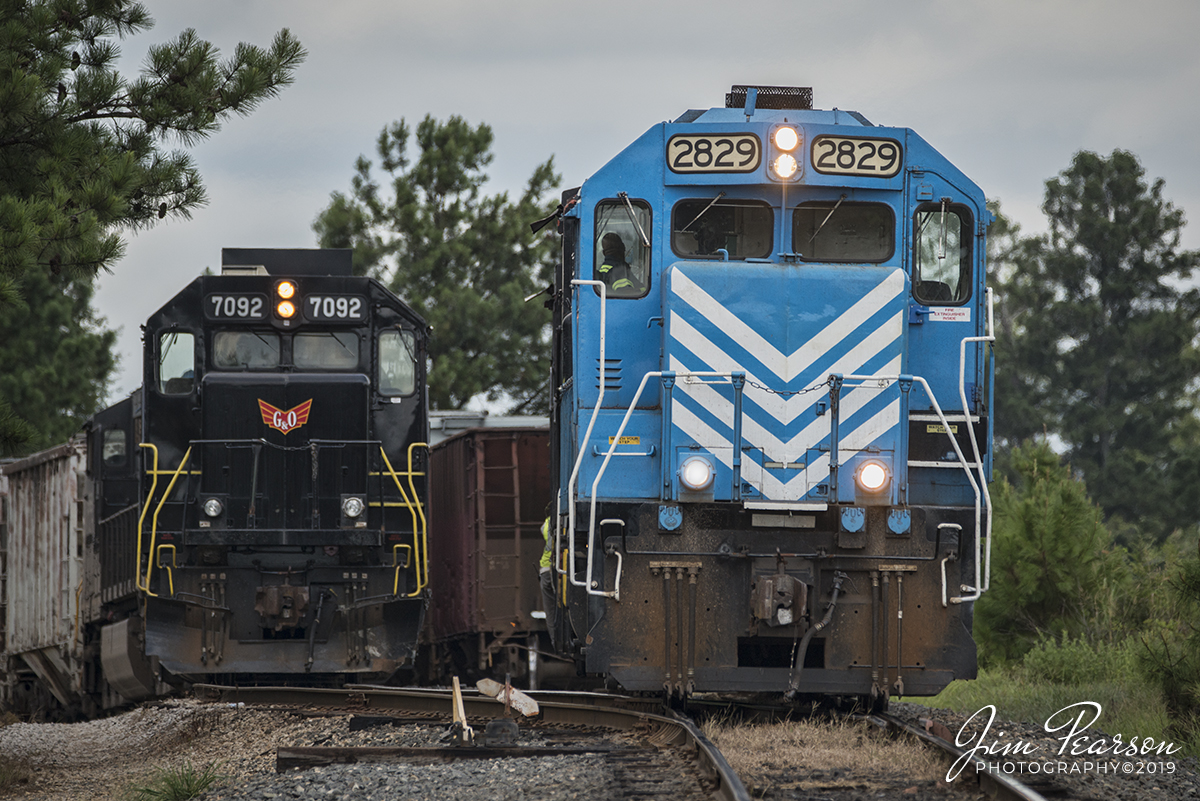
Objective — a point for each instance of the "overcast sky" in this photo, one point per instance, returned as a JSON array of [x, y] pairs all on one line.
[[1008, 91]]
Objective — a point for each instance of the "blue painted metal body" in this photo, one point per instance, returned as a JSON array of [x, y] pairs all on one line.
[[787, 373]]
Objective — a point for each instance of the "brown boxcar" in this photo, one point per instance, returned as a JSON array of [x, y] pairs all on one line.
[[488, 493]]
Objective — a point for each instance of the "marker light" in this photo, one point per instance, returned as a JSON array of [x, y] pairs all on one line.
[[786, 138], [872, 476], [285, 290], [696, 473], [286, 309], [785, 166]]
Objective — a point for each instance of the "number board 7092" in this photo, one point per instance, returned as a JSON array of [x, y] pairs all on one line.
[[692, 153], [856, 155]]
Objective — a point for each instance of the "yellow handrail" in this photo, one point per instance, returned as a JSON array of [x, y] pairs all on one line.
[[170, 575], [398, 566], [154, 520], [416, 533], [137, 574], [423, 575]]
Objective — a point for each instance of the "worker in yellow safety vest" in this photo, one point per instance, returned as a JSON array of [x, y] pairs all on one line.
[[546, 578]]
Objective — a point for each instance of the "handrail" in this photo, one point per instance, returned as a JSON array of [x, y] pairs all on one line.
[[586, 438], [137, 572], [398, 566], [154, 521], [615, 594], [979, 588], [423, 564], [170, 575], [962, 460], [409, 505]]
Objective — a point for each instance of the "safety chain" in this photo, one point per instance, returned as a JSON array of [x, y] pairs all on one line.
[[787, 393]]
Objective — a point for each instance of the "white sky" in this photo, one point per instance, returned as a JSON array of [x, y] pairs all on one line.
[[1008, 91]]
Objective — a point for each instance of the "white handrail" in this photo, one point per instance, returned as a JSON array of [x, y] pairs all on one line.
[[583, 446], [979, 589]]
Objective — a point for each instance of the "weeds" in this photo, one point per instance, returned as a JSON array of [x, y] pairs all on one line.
[[13, 772], [177, 784]]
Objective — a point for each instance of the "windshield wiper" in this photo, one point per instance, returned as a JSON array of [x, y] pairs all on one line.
[[703, 212], [827, 216]]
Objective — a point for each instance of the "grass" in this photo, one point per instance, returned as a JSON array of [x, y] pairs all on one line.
[[814, 754], [13, 773], [1052, 677], [176, 784]]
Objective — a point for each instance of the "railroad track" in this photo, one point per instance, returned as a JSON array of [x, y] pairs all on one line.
[[993, 785], [669, 741], [569, 717]]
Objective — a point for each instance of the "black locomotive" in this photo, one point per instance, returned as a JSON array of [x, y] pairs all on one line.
[[254, 512]]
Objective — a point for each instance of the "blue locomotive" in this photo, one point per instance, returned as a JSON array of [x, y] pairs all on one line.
[[770, 424]]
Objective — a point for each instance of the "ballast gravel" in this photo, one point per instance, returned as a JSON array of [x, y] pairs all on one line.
[[102, 759]]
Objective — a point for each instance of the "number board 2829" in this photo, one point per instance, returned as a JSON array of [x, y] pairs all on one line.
[[692, 153], [855, 155]]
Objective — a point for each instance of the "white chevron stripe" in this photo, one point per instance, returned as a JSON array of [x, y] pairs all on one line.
[[784, 366], [785, 410], [854, 399]]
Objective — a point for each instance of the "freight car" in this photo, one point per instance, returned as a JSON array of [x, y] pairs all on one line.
[[771, 419], [490, 488], [256, 511]]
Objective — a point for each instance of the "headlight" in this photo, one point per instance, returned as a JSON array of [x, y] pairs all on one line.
[[286, 309], [213, 507], [696, 473], [285, 290], [872, 476], [786, 138], [352, 507], [785, 166]]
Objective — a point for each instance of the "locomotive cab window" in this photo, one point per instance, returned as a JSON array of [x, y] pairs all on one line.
[[837, 231], [113, 448], [325, 350], [744, 229], [942, 254], [397, 363], [246, 350], [622, 247], [176, 363]]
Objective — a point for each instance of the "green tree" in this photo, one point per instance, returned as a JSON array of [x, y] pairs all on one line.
[[1097, 340], [1021, 392], [464, 260], [1052, 558], [57, 356], [87, 155]]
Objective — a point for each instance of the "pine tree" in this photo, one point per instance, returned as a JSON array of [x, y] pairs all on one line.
[[57, 356], [1097, 341], [464, 260], [87, 155]]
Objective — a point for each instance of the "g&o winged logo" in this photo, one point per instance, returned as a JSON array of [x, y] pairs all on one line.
[[283, 421]]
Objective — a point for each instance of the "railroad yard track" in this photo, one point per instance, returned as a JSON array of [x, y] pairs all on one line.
[[371, 743]]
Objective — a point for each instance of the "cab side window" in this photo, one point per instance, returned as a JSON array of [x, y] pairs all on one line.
[[397, 363], [622, 247], [942, 254], [176, 363]]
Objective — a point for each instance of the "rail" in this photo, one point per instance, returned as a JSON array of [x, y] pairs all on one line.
[[582, 709]]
